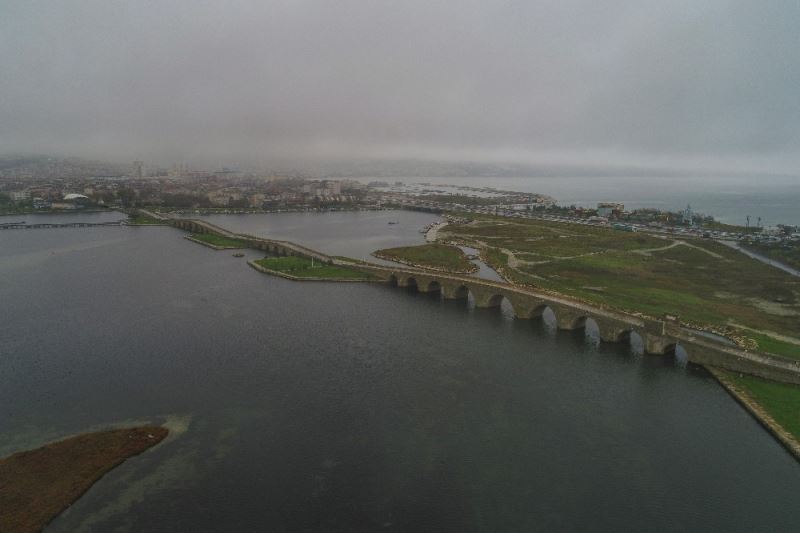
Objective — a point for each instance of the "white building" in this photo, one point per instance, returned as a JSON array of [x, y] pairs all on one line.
[[19, 196], [606, 209]]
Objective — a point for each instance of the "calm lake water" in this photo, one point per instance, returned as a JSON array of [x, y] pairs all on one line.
[[350, 407], [353, 234]]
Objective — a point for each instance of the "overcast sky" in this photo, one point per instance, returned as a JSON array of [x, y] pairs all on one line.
[[674, 84]]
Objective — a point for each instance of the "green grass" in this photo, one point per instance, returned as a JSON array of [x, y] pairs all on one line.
[[776, 346], [144, 220], [217, 240], [301, 267], [550, 239], [706, 283], [780, 400], [440, 256]]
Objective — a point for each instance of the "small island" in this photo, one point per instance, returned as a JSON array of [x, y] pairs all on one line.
[[301, 268], [217, 242], [442, 257], [37, 485]]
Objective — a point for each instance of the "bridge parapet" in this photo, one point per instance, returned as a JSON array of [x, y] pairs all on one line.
[[454, 290]]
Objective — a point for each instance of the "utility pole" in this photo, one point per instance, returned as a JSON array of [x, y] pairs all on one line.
[[747, 228]]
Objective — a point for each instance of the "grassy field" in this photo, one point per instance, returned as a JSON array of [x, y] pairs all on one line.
[[217, 240], [36, 485], [702, 281], [782, 401], [139, 219], [776, 346], [300, 267], [438, 256]]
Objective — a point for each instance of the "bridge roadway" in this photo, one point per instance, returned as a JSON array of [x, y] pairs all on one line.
[[660, 335]]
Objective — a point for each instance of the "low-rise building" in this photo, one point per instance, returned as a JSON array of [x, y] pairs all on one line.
[[609, 209], [19, 196]]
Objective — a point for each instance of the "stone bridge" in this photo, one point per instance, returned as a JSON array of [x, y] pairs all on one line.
[[270, 246], [660, 336]]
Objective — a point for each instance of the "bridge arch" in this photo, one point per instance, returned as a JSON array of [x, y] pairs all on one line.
[[591, 330], [455, 291], [635, 339], [568, 319], [432, 286], [409, 282], [544, 312], [495, 300], [678, 354]]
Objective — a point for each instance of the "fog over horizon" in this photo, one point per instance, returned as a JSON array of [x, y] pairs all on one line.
[[683, 85]]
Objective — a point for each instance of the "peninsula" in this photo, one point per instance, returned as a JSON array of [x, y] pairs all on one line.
[[37, 485]]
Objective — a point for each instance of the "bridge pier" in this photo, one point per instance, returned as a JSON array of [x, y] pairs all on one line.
[[526, 308], [454, 291], [656, 344], [611, 331], [568, 319], [486, 298], [405, 282], [428, 285]]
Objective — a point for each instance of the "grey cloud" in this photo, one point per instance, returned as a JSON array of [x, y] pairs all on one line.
[[678, 83]]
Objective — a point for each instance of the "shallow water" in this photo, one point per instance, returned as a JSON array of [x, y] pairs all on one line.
[[352, 407]]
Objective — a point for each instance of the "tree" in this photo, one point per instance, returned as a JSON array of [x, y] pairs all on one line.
[[127, 197]]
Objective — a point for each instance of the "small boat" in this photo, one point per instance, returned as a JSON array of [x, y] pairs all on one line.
[[392, 223]]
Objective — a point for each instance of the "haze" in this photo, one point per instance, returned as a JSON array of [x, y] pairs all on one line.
[[680, 85]]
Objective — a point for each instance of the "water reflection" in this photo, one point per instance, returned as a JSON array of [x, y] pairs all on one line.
[[592, 332]]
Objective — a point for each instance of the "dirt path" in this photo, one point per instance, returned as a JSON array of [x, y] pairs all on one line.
[[678, 243], [667, 247]]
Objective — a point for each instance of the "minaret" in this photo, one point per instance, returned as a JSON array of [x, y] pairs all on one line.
[[687, 215]]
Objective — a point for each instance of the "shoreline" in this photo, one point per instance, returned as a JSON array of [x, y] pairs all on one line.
[[433, 232], [790, 443]]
